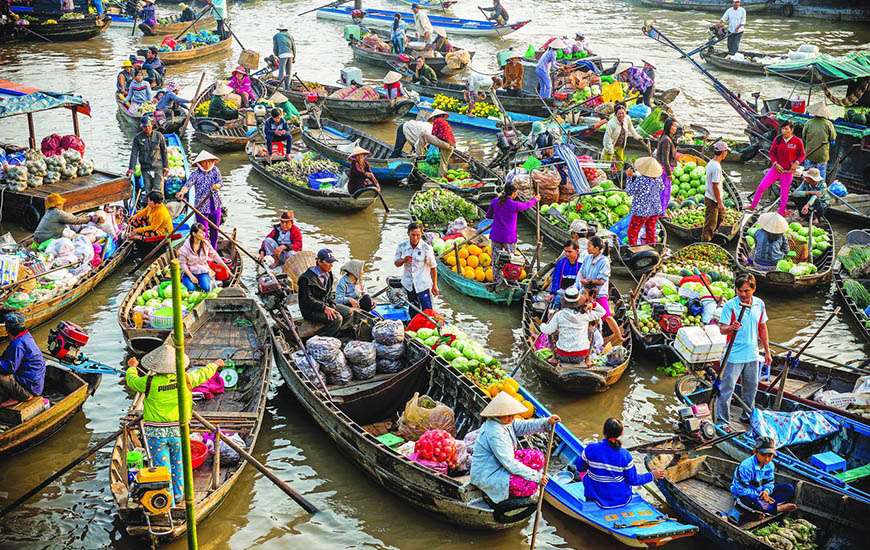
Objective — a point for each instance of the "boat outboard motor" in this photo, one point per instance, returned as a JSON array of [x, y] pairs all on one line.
[[272, 290], [66, 340]]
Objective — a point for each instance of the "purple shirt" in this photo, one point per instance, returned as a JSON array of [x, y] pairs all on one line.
[[202, 187], [504, 218]]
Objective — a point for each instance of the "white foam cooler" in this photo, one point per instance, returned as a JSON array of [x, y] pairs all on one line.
[[700, 344]]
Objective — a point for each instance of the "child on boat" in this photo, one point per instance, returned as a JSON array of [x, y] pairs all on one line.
[[753, 485], [572, 323]]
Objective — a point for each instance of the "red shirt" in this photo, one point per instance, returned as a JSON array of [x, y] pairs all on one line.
[[442, 130], [785, 153]]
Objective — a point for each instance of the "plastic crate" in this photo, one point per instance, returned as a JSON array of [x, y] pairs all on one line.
[[828, 461]]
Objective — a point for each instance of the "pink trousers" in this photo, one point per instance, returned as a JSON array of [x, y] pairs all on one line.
[[771, 177]]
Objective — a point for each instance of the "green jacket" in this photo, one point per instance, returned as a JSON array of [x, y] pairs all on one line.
[[161, 399], [818, 133]]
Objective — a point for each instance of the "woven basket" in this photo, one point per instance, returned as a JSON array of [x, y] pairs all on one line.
[[296, 266], [801, 249]]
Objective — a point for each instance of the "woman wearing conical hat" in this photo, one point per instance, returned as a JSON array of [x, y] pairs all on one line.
[[206, 181], [360, 174]]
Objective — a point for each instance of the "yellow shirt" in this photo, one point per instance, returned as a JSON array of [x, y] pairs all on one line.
[[158, 217]]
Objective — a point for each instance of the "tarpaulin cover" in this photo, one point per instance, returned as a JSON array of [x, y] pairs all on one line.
[[19, 99], [849, 67], [792, 428]]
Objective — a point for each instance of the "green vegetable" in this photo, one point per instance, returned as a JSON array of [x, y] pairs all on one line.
[[440, 207], [855, 259], [857, 292]]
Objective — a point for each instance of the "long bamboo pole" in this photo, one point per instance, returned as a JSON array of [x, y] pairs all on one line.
[[542, 488], [184, 413]]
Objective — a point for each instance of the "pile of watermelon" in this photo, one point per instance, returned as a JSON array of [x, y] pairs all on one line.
[[437, 446]]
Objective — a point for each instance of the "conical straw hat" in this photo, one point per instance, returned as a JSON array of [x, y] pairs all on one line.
[[503, 405]]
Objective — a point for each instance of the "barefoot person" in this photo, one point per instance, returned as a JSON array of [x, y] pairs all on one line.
[[753, 486]]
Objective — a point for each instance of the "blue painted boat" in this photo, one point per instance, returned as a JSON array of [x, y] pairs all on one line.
[[335, 141], [383, 19], [637, 524], [434, 5], [121, 20], [851, 441]]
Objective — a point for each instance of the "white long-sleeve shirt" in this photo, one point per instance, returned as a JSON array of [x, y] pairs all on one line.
[[735, 20], [573, 327], [422, 24]]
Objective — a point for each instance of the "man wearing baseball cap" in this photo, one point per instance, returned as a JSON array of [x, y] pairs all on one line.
[[753, 485], [317, 299], [714, 201]]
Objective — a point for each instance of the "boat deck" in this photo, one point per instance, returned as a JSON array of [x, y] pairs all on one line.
[[837, 210]]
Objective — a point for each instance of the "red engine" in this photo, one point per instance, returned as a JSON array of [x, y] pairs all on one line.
[[670, 323], [66, 340]]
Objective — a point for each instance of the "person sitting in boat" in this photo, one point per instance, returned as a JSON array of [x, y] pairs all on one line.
[[423, 73], [513, 73], [154, 66], [581, 44], [595, 271], [610, 471], [152, 221], [753, 485], [240, 83], [200, 262], [187, 13], [811, 193], [351, 290], [148, 17], [393, 85], [207, 181], [398, 34], [579, 229], [422, 24], [493, 460], [572, 324], [284, 240], [55, 220], [280, 101], [497, 13], [217, 107], [275, 128], [124, 79], [441, 44], [644, 185], [596, 339], [619, 128], [771, 244], [565, 272], [316, 299], [160, 413], [139, 92], [22, 366], [360, 174], [168, 102]]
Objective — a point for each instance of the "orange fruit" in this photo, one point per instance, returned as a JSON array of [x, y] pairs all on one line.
[[473, 261], [479, 275], [450, 259], [523, 275], [468, 273], [474, 250], [489, 276], [463, 252]]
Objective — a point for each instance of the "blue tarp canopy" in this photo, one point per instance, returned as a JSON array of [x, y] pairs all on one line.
[[19, 99]]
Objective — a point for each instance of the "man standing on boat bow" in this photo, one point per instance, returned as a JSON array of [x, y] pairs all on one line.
[[734, 19]]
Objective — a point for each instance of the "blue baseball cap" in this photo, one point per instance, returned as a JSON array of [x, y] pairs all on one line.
[[325, 255]]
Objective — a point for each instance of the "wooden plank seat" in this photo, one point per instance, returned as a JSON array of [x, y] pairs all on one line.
[[13, 413]]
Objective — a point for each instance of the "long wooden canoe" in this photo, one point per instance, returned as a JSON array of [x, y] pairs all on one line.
[[779, 281], [62, 30], [65, 391], [173, 58], [134, 119], [513, 102], [750, 64], [172, 24], [715, 6], [143, 339], [573, 378], [453, 25], [216, 334], [377, 110], [854, 313], [363, 53]]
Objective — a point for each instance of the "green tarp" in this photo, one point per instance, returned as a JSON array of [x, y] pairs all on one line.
[[849, 67], [841, 126]]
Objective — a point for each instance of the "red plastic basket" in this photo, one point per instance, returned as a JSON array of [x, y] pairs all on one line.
[[198, 453]]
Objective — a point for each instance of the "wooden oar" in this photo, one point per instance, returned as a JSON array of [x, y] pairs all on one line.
[[541, 488], [299, 499], [330, 5], [376, 191], [724, 362]]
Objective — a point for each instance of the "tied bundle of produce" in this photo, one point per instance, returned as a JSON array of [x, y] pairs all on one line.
[[297, 172], [855, 259], [302, 363], [520, 486], [362, 359], [436, 446], [547, 182], [389, 337], [438, 207], [423, 413], [327, 352]]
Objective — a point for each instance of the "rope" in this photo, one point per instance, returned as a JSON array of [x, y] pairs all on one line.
[[849, 99]]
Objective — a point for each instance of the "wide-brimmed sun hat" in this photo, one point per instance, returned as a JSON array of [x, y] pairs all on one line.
[[649, 167], [278, 97], [288, 215], [819, 109], [240, 69], [358, 151], [773, 223], [571, 297], [204, 156], [126, 63], [392, 77], [441, 32], [503, 404], [437, 113], [162, 360], [557, 44]]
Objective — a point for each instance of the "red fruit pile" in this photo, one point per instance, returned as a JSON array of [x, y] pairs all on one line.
[[588, 169], [436, 445]]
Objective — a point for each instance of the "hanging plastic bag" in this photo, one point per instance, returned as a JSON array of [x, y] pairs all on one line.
[[424, 413]]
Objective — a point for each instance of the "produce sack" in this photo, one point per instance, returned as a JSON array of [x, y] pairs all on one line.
[[520, 486], [361, 357], [72, 141], [337, 372], [327, 352], [390, 358], [309, 370], [388, 332], [424, 413], [457, 59], [437, 446], [547, 182]]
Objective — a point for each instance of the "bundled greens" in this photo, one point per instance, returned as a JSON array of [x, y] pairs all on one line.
[[297, 171], [855, 259], [440, 207], [857, 293], [795, 534]]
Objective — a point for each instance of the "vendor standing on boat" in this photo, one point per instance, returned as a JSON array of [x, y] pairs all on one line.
[[771, 244], [753, 486], [416, 132], [360, 175], [55, 220], [503, 211], [206, 181], [743, 360], [619, 128], [446, 143], [317, 299], [545, 67], [564, 272], [219, 12], [493, 460], [714, 197], [644, 186], [819, 136], [398, 34], [22, 366], [666, 154], [284, 240], [422, 24], [200, 263], [496, 13], [284, 48], [786, 155], [420, 269], [149, 151], [734, 20], [610, 471], [811, 193], [160, 411], [595, 271]]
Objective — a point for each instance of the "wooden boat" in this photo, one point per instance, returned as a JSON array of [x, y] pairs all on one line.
[[715, 6], [437, 62], [849, 441], [855, 214], [168, 126], [807, 379], [751, 65], [40, 312], [29, 423], [519, 102], [659, 341], [143, 339], [336, 201], [61, 30], [335, 141], [481, 291], [216, 334], [854, 313], [383, 19], [573, 378], [173, 25], [522, 122], [378, 110], [174, 58], [565, 493], [356, 414], [432, 5], [779, 281], [698, 490]]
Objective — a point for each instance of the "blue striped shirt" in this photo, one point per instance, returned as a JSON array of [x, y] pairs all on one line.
[[610, 474]]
